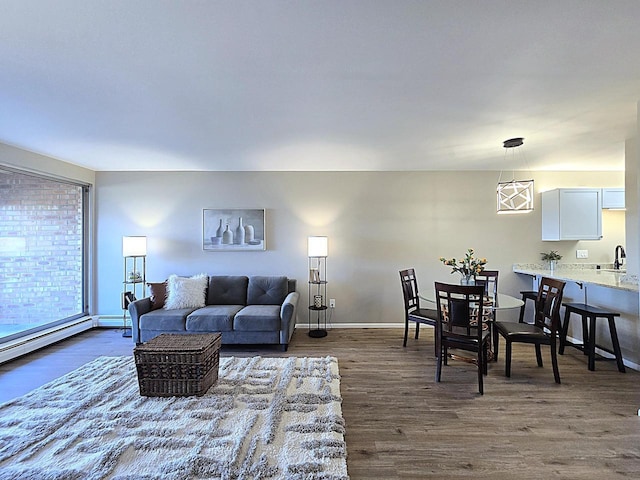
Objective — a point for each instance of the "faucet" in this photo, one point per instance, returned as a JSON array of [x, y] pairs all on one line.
[[618, 261]]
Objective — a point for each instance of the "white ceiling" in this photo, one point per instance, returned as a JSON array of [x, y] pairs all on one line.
[[321, 85]]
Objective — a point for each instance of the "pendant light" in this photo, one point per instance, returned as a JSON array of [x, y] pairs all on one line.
[[515, 196]]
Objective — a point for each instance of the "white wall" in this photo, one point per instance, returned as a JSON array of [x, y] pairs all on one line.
[[377, 223]]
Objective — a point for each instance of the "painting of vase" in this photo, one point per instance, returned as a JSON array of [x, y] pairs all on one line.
[[233, 229]]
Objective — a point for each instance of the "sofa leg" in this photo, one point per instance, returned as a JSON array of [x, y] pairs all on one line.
[[284, 347]]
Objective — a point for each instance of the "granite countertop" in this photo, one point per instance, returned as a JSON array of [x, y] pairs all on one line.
[[582, 273]]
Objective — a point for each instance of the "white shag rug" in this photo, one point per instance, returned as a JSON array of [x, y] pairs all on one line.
[[265, 418]]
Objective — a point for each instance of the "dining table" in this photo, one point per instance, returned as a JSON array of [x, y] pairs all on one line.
[[502, 301]]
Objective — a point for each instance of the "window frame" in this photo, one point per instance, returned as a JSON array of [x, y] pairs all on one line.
[[85, 260]]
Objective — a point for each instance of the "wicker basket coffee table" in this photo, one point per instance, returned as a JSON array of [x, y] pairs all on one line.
[[178, 365]]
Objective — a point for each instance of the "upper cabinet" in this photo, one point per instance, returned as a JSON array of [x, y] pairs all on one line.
[[613, 198], [572, 214]]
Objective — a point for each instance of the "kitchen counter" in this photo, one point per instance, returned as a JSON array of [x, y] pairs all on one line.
[[582, 274], [606, 288]]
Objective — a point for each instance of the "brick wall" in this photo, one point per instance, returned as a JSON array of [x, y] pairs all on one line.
[[40, 249]]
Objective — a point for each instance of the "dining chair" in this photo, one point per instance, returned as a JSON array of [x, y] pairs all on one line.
[[459, 326], [543, 331], [412, 310], [489, 278]]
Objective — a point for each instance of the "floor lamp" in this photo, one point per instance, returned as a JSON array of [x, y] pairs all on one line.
[[317, 253]]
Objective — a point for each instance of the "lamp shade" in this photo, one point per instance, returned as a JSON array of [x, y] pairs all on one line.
[[515, 196], [134, 246], [318, 246]]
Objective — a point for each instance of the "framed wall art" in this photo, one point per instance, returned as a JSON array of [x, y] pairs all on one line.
[[233, 229]]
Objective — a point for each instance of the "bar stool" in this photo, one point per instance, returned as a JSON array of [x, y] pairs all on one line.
[[589, 332], [527, 295]]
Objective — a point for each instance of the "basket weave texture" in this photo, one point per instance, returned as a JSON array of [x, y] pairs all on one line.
[[178, 365]]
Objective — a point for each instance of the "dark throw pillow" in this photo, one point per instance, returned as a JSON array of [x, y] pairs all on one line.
[[158, 293]]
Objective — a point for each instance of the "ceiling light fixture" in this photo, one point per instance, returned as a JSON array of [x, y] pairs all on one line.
[[515, 196]]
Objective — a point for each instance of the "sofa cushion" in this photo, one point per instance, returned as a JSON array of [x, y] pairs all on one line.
[[170, 320], [186, 292], [227, 290], [258, 318], [157, 294], [213, 318], [267, 290]]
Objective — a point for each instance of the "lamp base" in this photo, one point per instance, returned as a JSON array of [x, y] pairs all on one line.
[[126, 332], [318, 333]]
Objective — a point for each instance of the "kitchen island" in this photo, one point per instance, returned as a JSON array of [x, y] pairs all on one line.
[[612, 290]]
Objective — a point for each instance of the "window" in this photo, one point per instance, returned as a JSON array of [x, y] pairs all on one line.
[[43, 273]]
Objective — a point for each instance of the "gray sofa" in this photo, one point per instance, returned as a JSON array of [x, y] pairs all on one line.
[[245, 310]]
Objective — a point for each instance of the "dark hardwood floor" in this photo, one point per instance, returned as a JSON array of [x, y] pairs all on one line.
[[402, 425]]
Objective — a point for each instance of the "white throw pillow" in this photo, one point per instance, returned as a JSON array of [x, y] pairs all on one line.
[[183, 292]]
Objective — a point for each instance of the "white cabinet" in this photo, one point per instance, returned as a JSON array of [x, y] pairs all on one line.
[[572, 214], [613, 198]]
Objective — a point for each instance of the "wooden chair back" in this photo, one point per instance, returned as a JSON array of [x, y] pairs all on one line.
[[488, 278], [410, 290], [548, 304], [460, 310]]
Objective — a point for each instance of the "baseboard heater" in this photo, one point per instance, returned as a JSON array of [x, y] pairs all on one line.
[[27, 344]]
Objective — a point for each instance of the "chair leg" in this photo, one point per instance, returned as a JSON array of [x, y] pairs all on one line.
[[481, 366], [417, 329], [585, 336], [538, 355], [592, 342], [616, 344], [406, 331], [485, 359], [439, 366], [507, 363], [496, 339], [564, 330], [554, 362]]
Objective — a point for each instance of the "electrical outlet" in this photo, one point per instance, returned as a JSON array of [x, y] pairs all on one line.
[[582, 253], [332, 303]]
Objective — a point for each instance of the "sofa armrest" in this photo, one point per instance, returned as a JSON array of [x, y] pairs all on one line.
[[136, 310], [288, 317]]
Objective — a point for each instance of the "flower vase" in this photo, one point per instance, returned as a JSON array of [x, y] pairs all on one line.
[[467, 279], [552, 265]]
